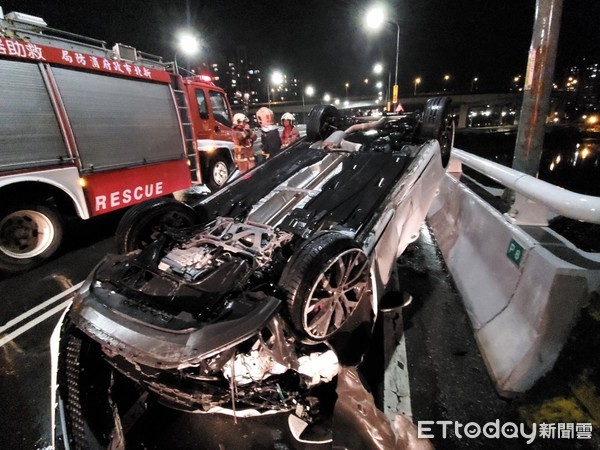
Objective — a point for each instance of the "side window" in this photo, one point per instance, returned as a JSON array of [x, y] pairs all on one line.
[[202, 106], [220, 108]]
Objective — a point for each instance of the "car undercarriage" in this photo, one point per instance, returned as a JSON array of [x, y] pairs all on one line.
[[254, 300]]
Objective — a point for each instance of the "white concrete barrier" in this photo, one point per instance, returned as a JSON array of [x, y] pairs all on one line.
[[522, 300]]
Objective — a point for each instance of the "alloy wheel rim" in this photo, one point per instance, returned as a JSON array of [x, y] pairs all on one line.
[[336, 293]]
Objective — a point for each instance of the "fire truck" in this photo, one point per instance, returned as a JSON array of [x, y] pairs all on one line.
[[86, 129]]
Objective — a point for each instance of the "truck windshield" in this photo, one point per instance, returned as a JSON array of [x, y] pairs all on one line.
[[220, 108]]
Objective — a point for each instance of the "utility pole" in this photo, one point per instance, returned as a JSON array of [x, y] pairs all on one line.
[[538, 86]]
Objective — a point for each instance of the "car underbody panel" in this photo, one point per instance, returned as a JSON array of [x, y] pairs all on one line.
[[259, 306]]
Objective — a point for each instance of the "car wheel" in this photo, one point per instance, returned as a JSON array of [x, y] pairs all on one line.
[[29, 235], [438, 124], [321, 122], [143, 223], [325, 281], [218, 173]]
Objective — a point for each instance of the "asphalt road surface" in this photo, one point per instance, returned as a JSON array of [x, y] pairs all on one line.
[[31, 306], [448, 379]]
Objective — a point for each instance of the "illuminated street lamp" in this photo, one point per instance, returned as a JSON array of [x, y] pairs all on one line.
[[277, 79], [473, 82], [188, 44], [327, 98], [378, 69], [517, 82], [417, 82], [347, 85], [310, 91], [446, 80], [374, 19]]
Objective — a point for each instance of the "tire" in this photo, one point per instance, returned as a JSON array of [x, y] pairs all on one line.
[[29, 235], [437, 124], [143, 223], [219, 171], [321, 122], [325, 281]]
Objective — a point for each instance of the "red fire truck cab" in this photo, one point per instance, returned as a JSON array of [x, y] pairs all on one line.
[[86, 129]]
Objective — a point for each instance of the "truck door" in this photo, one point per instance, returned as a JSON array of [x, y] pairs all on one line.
[[222, 115], [205, 126]]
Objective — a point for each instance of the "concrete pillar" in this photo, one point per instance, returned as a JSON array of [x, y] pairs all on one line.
[[463, 113]]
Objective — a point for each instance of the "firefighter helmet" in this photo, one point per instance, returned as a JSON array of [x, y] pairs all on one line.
[[264, 116], [239, 119], [288, 116]]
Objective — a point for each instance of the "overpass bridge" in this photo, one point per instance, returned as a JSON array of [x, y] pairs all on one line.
[[490, 105]]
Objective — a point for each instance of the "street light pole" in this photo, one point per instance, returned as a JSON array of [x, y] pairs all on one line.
[[175, 65], [538, 86], [308, 90], [446, 82], [374, 18], [277, 78], [417, 82], [397, 55]]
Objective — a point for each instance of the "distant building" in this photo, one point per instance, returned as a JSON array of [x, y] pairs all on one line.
[[577, 95], [246, 84], [588, 93]]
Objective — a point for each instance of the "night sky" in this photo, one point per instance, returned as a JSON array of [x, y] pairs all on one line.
[[324, 42]]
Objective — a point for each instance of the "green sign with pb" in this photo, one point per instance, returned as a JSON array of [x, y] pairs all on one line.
[[515, 252]]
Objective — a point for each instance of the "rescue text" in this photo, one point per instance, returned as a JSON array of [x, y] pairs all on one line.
[[126, 196]]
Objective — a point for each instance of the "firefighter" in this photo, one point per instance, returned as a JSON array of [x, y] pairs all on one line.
[[270, 139], [290, 133], [243, 138]]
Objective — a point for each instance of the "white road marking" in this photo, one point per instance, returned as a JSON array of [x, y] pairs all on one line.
[[396, 397], [11, 323], [396, 386], [34, 322]]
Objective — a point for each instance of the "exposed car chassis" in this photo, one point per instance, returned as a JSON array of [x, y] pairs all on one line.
[[250, 301]]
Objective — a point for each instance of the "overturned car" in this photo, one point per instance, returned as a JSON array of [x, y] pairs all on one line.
[[256, 299]]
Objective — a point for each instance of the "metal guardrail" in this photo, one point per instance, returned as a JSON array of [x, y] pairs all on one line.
[[550, 197]]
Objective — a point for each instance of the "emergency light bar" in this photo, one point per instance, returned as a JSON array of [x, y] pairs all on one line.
[[125, 52], [25, 19]]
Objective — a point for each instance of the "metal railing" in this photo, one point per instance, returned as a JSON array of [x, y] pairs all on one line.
[[534, 197]]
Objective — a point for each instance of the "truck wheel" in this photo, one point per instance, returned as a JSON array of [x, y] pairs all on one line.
[[325, 281], [437, 124], [218, 173], [29, 235], [321, 122], [143, 223]]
